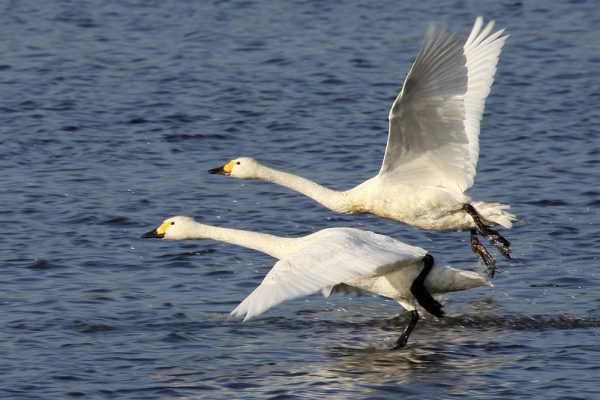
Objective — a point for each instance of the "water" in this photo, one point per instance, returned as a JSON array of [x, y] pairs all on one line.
[[111, 113]]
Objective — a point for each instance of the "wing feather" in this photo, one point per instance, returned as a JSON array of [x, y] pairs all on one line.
[[434, 122], [344, 254]]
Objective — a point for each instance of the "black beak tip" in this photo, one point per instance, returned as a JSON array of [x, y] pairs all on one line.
[[217, 171], [150, 235]]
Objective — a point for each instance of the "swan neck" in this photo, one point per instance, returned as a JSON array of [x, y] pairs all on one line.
[[332, 199], [274, 246]]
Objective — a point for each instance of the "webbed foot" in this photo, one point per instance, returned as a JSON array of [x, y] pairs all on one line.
[[482, 254], [495, 239]]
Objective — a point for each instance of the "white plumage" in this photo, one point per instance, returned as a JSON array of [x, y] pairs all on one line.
[[363, 260], [434, 122], [433, 144]]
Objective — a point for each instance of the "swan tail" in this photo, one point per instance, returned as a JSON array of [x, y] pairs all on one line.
[[495, 213], [447, 279]]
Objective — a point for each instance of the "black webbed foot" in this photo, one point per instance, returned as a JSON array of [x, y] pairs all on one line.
[[498, 241], [482, 254], [495, 239]]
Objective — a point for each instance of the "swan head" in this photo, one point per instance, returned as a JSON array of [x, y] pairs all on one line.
[[241, 168], [174, 228]]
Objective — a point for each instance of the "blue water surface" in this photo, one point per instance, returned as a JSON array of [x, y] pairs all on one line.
[[112, 112]]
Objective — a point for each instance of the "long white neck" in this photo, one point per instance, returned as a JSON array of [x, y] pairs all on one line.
[[274, 246], [332, 199]]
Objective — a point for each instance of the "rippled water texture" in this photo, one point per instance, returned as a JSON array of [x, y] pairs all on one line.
[[111, 113]]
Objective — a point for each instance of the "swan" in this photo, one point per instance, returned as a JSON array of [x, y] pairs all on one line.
[[432, 147], [335, 260]]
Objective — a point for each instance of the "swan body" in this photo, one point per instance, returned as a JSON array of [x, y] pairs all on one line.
[[433, 144], [328, 260], [425, 207]]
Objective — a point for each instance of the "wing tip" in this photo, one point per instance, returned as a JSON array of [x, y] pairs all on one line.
[[481, 32], [243, 315]]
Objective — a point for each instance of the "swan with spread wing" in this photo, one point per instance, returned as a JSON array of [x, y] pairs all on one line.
[[432, 148], [332, 260]]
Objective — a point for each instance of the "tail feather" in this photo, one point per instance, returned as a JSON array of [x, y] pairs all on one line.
[[495, 214], [444, 279]]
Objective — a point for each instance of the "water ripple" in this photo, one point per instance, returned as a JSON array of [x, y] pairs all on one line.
[[107, 135]]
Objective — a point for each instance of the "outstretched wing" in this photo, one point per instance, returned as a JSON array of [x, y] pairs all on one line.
[[343, 254], [434, 122]]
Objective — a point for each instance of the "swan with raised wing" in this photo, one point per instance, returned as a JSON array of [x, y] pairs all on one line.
[[432, 147], [332, 260]]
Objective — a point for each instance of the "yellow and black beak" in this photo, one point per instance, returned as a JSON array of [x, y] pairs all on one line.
[[153, 234], [224, 170], [157, 233]]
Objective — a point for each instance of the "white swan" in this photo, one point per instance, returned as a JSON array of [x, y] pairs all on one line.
[[432, 148], [332, 260]]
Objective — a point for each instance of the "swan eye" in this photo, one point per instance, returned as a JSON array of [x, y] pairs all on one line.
[[172, 222], [238, 163]]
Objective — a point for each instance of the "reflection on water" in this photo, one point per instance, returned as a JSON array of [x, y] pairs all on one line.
[[459, 354], [455, 364]]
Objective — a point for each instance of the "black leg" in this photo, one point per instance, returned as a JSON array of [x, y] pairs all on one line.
[[482, 253], [401, 342], [424, 298], [496, 239]]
